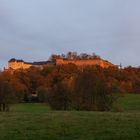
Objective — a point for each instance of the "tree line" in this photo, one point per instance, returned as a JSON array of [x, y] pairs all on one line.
[[68, 87], [75, 55]]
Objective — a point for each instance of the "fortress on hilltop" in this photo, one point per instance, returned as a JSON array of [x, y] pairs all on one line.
[[15, 64]]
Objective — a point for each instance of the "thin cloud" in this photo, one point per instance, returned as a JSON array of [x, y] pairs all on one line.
[[33, 30]]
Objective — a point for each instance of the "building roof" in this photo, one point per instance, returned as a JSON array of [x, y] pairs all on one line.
[[42, 63], [15, 60]]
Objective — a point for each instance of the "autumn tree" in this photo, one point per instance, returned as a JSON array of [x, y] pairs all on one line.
[[6, 92], [60, 97], [91, 92], [43, 94]]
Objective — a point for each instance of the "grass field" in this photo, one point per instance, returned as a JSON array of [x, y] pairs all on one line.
[[39, 122]]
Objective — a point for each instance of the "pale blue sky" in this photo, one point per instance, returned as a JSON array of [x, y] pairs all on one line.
[[34, 29]]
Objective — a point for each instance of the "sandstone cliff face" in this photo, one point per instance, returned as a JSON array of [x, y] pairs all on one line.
[[100, 62]]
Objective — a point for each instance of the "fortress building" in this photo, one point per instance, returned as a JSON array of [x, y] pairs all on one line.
[[15, 64]]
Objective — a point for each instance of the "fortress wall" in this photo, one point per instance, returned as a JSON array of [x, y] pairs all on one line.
[[99, 62], [26, 66]]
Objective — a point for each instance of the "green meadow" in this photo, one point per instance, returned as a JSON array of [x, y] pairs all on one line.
[[39, 122]]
